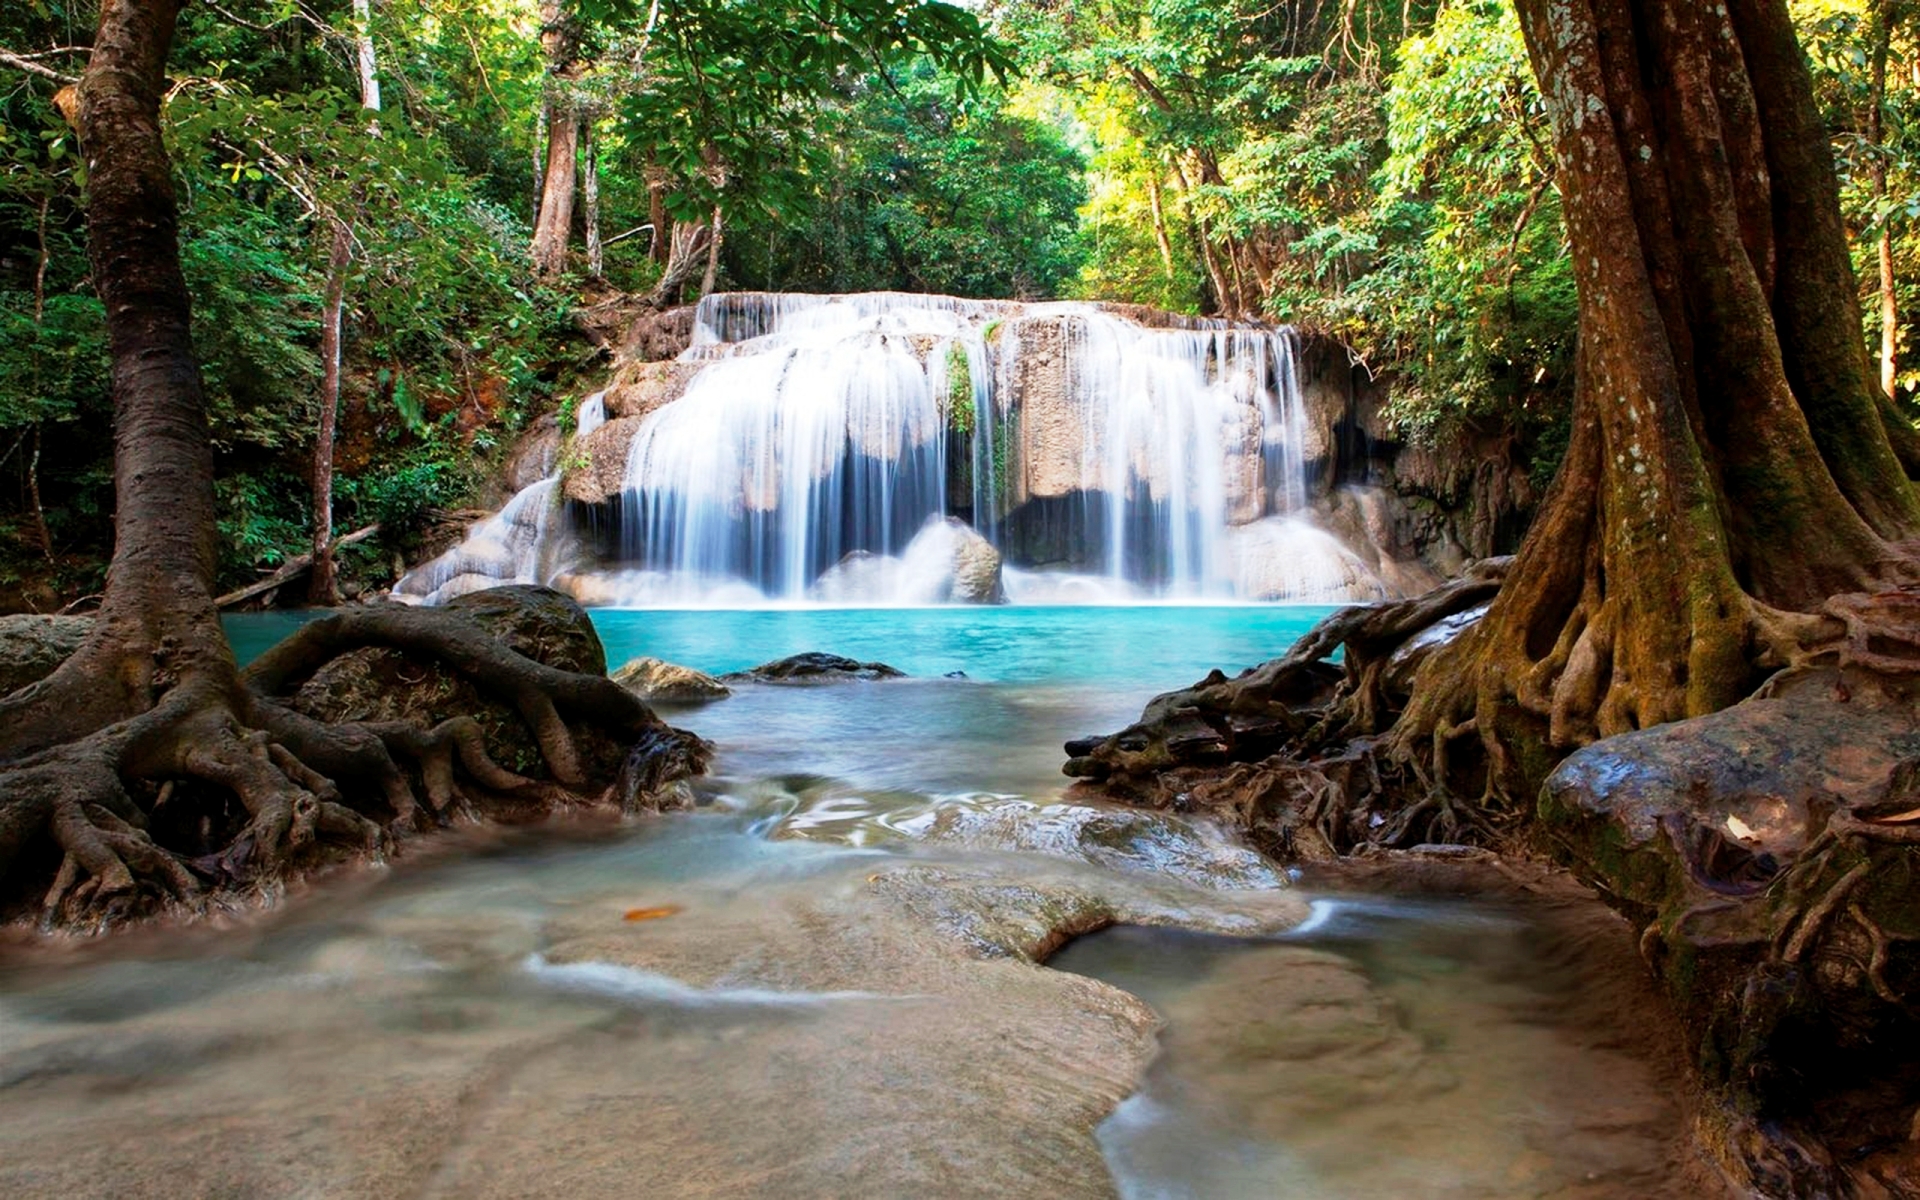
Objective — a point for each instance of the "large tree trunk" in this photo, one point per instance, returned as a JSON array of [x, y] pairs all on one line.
[[590, 197], [553, 222], [1731, 464], [152, 711], [552, 230]]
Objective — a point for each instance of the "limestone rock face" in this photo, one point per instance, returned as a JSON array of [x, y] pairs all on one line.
[[1053, 432], [599, 467], [657, 681], [640, 388], [535, 455], [1406, 541], [32, 646], [657, 336]]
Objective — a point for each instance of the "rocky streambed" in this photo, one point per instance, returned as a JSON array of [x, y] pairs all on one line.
[[882, 954]]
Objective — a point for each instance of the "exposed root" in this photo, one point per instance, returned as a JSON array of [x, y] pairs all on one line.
[[229, 765]]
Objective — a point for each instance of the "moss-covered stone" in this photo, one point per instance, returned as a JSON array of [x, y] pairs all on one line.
[[378, 684]]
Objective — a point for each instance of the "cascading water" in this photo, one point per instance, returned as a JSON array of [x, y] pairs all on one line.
[[775, 464], [515, 545], [1102, 456]]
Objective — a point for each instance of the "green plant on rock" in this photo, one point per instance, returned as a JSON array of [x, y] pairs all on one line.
[[959, 398]]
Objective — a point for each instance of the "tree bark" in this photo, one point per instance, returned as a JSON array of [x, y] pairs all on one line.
[[1729, 461], [553, 224], [321, 587], [160, 580], [590, 198], [1160, 223], [1881, 36], [658, 243], [363, 55], [712, 274], [552, 230]]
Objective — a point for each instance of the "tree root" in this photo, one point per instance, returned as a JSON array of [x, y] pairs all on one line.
[[272, 789]]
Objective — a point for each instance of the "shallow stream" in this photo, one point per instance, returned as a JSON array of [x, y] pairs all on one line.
[[815, 984]]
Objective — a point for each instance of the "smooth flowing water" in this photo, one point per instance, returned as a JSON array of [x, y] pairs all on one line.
[[825, 448], [815, 983]]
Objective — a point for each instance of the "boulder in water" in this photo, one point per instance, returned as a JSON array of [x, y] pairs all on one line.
[[946, 563], [375, 683], [1159, 844], [1290, 558], [657, 681], [815, 667], [32, 646]]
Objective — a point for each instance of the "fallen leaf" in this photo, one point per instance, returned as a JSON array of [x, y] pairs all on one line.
[[654, 913]]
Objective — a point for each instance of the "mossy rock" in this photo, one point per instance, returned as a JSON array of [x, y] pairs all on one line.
[[379, 684], [1707, 834], [31, 646]]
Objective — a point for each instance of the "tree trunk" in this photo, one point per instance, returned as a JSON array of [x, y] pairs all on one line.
[[657, 245], [1160, 223], [41, 534], [552, 230], [1881, 34], [1202, 236], [160, 580], [590, 198], [553, 223], [712, 274], [1730, 460], [321, 588], [539, 160], [363, 54], [153, 700]]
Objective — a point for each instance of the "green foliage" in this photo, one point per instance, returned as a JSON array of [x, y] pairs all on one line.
[[915, 186], [960, 412], [1366, 169], [403, 497], [1470, 295], [1842, 40]]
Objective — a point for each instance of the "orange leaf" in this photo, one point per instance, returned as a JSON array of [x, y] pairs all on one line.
[[652, 914]]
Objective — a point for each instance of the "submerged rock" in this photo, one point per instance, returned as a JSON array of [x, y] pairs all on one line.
[[654, 680], [1124, 839], [31, 646], [815, 667]]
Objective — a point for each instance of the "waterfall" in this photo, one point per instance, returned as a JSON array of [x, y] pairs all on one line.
[[828, 439], [515, 545], [592, 415], [823, 444]]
